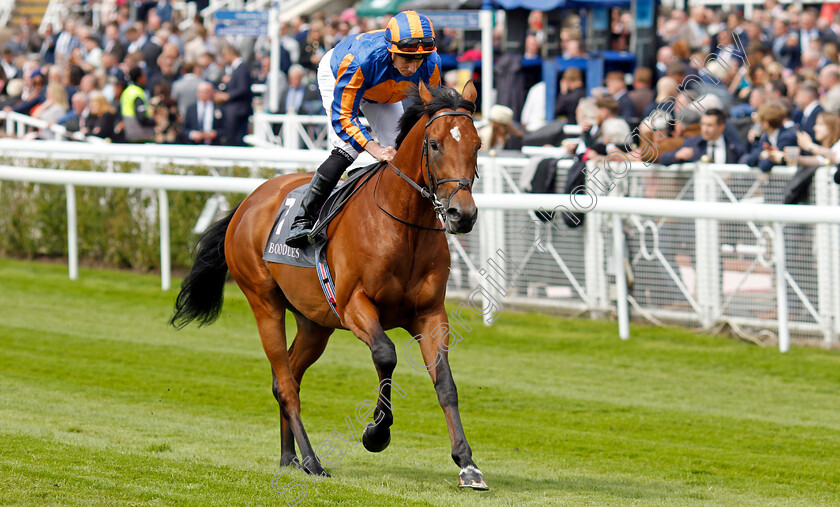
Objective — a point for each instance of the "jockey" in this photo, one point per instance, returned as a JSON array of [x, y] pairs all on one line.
[[371, 72]]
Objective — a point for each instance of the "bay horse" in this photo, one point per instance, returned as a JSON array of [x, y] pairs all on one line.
[[390, 259]]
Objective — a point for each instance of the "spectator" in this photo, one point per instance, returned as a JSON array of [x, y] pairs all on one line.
[[197, 46], [113, 90], [138, 123], [615, 135], [110, 64], [164, 10], [136, 37], [236, 98], [92, 53], [712, 143], [728, 52], [785, 45], [694, 30], [3, 82], [829, 80], [88, 83], [532, 47], [29, 35], [75, 117], [164, 72], [66, 42], [211, 70], [574, 49], [184, 89], [298, 97], [47, 50], [771, 117], [664, 58], [571, 91], [111, 42], [776, 89], [827, 133], [203, 121], [313, 49], [807, 100], [152, 49], [498, 133], [288, 42], [716, 81], [533, 111], [605, 108], [808, 30], [666, 91], [51, 109], [12, 93], [16, 43], [165, 112], [34, 93], [652, 139], [7, 63], [642, 93]]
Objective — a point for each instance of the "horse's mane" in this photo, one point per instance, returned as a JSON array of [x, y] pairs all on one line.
[[442, 98]]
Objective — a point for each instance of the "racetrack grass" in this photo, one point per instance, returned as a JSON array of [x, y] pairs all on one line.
[[101, 403]]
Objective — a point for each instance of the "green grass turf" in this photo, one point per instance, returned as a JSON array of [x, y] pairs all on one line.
[[101, 403]]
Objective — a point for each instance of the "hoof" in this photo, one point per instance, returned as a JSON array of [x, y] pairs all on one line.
[[315, 469], [290, 461], [376, 443], [471, 477]]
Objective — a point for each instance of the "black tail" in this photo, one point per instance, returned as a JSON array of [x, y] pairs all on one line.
[[202, 292]]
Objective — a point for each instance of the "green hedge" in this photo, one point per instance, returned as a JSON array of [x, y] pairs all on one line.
[[117, 227]]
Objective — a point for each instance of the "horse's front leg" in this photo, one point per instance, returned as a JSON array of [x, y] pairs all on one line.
[[363, 320], [432, 332]]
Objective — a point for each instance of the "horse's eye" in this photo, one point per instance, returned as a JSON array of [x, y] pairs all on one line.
[[434, 145]]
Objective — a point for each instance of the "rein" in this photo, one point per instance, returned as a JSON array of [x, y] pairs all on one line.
[[430, 192]]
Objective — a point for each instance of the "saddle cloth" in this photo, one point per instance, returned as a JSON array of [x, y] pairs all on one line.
[[276, 249], [310, 256]]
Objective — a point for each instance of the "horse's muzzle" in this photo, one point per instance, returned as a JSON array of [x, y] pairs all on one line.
[[461, 219]]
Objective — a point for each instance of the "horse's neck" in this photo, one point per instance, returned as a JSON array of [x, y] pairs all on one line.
[[401, 199]]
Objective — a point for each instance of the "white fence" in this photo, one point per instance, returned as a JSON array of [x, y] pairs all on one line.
[[310, 131], [150, 157], [679, 257], [292, 130], [19, 125]]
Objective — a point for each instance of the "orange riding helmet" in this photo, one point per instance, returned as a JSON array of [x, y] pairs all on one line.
[[410, 33]]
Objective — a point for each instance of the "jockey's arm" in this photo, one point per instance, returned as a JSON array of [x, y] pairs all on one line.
[[385, 154], [349, 90]]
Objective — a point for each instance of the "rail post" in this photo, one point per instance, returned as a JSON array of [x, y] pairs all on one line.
[[165, 259], [72, 233]]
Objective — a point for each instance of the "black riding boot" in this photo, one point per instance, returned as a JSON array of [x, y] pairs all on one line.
[[323, 183]]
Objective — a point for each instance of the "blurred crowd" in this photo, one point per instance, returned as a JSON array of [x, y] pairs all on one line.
[[730, 88], [763, 91], [139, 78]]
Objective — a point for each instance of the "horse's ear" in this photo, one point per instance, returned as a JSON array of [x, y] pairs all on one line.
[[469, 92], [425, 94]]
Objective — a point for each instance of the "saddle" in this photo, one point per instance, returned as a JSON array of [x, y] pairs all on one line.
[[314, 256]]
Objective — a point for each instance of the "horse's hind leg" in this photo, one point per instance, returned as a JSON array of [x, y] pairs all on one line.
[[287, 438], [364, 322], [269, 312], [308, 345]]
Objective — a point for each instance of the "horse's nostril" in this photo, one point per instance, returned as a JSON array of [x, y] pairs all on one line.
[[453, 214]]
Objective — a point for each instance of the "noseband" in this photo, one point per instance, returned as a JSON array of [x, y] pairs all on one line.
[[430, 190]]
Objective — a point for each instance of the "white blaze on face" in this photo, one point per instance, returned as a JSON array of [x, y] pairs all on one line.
[[456, 133]]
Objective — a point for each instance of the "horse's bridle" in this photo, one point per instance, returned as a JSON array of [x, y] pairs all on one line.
[[430, 190]]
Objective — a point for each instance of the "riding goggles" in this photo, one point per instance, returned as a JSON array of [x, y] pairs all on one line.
[[416, 44]]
